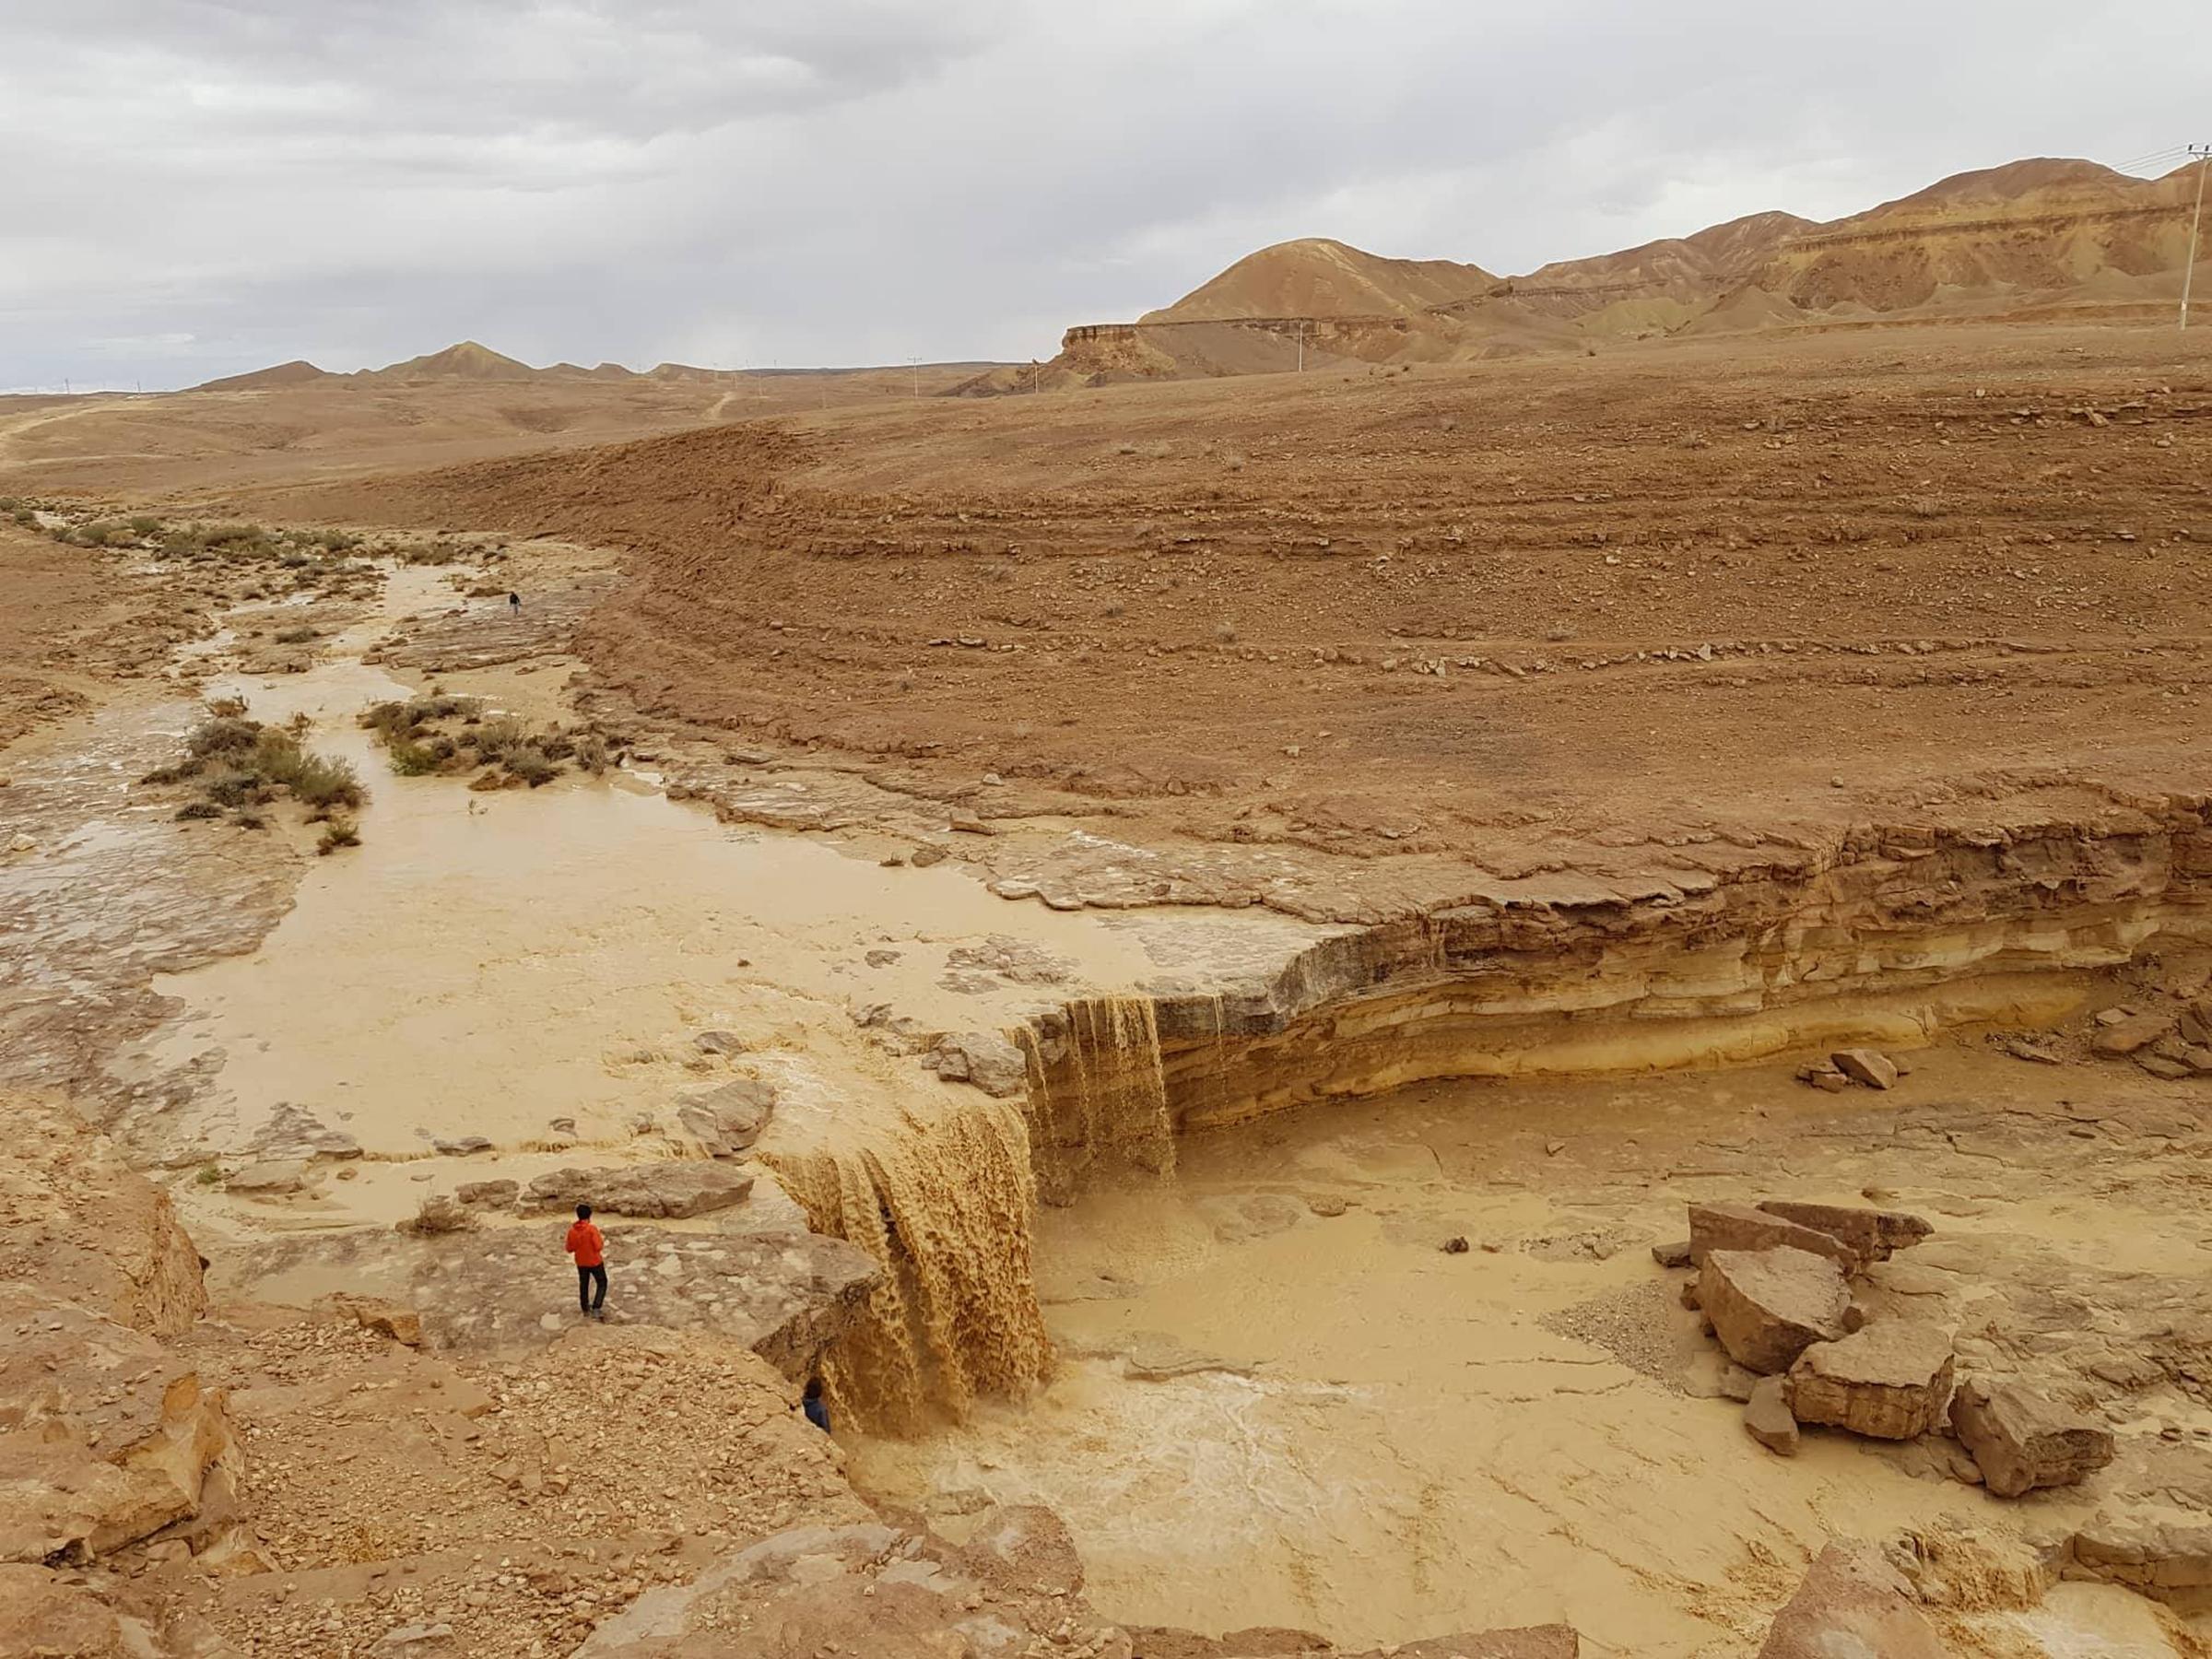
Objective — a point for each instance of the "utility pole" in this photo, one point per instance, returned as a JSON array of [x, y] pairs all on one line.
[[1301, 346], [917, 364], [2202, 152]]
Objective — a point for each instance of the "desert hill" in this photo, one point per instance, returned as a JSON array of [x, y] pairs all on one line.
[[1318, 277], [2034, 238], [298, 372]]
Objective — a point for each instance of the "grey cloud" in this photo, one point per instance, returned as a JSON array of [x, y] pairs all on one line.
[[213, 186]]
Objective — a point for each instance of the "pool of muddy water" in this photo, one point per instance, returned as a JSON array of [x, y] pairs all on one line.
[[1282, 1402]]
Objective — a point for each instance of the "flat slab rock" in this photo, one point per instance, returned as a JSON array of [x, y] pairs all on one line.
[[783, 1294], [1891, 1381], [2153, 1557], [1739, 1226], [670, 1190], [2020, 1440], [1768, 1306], [1873, 1234]]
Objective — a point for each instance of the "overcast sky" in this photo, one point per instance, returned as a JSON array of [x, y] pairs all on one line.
[[195, 189]]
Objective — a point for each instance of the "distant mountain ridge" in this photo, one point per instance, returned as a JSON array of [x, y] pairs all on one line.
[[2038, 237]]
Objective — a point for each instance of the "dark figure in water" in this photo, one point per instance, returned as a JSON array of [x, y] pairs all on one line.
[[814, 1406]]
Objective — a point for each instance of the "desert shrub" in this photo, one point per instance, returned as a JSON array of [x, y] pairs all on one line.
[[252, 821], [338, 833], [1224, 634], [495, 738], [295, 636], [528, 762], [234, 535], [25, 516], [339, 541], [226, 708], [223, 733], [199, 809], [316, 779], [233, 786], [591, 754], [144, 523], [412, 759], [557, 746]]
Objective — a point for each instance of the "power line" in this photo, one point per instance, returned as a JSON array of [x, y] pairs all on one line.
[[2172, 152]]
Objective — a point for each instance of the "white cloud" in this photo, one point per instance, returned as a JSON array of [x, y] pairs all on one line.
[[200, 188]]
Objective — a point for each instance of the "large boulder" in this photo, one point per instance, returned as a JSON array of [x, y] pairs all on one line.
[[728, 1120], [669, 1191], [1873, 1234], [105, 1437], [1739, 1226], [2020, 1440], [1768, 1306], [1852, 1605], [1891, 1381]]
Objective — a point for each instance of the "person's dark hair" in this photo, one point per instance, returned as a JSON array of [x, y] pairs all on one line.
[[584, 1212], [814, 1388]]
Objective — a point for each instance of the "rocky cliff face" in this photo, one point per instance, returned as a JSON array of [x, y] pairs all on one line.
[[78, 1221]]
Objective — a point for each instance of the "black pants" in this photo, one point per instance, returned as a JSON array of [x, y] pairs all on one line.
[[588, 1280]]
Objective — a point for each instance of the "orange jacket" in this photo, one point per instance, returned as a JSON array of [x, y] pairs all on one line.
[[586, 1245]]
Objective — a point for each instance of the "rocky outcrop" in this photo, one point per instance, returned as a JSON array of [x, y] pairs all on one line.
[[1768, 1306], [105, 1437], [671, 1190], [1891, 1381], [1852, 1603], [78, 1221], [2020, 1440], [784, 1294]]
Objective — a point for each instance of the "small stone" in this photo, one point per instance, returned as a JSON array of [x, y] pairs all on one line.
[[1866, 1065], [1455, 1245], [1767, 1416], [1673, 1254], [2133, 1032], [926, 854], [718, 1042]]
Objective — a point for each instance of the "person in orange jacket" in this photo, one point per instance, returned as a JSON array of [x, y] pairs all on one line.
[[589, 1247]]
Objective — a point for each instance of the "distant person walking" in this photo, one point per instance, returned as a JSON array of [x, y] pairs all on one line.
[[589, 1247], [514, 605]]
